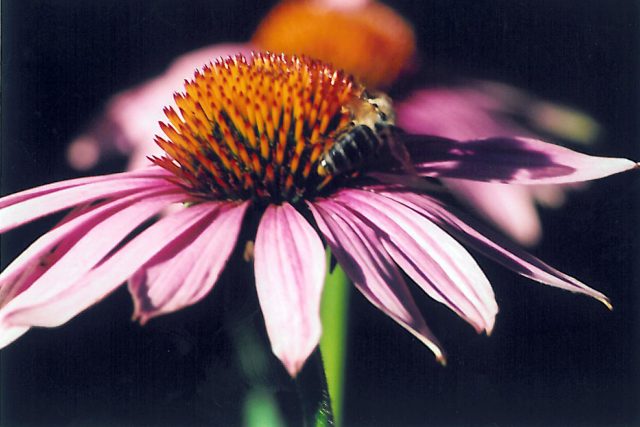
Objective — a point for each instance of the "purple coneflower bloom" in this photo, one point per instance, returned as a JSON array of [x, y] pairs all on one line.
[[246, 140], [348, 34]]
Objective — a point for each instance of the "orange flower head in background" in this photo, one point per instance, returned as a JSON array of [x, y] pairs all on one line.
[[346, 35]]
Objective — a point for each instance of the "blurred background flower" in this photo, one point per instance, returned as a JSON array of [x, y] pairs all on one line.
[[62, 61]]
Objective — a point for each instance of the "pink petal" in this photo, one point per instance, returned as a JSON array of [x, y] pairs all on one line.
[[130, 121], [96, 242], [482, 109], [473, 111], [289, 267], [12, 199], [493, 246], [39, 255], [74, 297], [509, 160], [29, 209], [510, 207], [460, 113], [173, 280], [361, 253], [10, 334], [22, 273], [434, 260], [88, 246]]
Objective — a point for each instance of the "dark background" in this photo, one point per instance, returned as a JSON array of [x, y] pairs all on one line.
[[555, 359]]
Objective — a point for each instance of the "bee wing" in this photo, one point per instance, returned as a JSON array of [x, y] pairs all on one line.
[[399, 150]]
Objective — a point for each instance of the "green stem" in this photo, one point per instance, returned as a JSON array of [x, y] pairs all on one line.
[[333, 344], [313, 392]]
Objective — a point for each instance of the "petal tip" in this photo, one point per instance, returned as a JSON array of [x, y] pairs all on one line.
[[441, 358], [606, 301], [489, 329], [293, 367], [140, 317]]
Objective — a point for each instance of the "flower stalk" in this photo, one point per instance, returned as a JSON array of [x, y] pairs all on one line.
[[313, 393], [333, 343]]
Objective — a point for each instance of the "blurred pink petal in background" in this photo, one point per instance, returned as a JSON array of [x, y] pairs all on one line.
[[129, 123]]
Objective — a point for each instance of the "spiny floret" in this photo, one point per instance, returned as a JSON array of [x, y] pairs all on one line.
[[255, 128]]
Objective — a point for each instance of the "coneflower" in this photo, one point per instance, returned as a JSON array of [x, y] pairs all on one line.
[[245, 140]]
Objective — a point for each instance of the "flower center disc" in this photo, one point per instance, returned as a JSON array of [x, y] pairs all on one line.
[[255, 128]]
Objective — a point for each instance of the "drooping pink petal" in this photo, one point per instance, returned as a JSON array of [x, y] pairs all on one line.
[[508, 160], [510, 207], [289, 267], [31, 208], [24, 272], [74, 297], [12, 199], [492, 245], [87, 247], [471, 111], [29, 278], [10, 334], [49, 247], [360, 252], [131, 118], [182, 276], [93, 244], [432, 258], [30, 271]]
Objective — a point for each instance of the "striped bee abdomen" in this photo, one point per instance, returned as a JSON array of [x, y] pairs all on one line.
[[351, 150], [371, 129]]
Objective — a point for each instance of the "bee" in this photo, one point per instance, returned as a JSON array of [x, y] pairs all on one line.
[[372, 128]]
